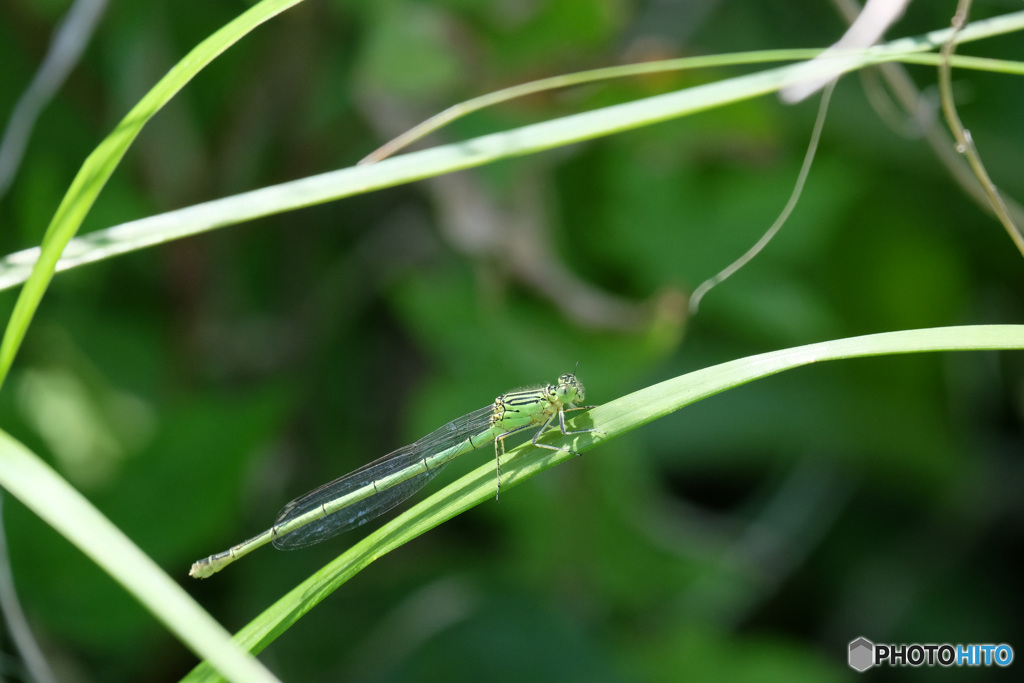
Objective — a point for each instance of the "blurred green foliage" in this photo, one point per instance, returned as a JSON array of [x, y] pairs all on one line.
[[191, 390]]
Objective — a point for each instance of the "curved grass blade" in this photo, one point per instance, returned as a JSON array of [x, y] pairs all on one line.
[[613, 419], [39, 487], [47, 494], [99, 166]]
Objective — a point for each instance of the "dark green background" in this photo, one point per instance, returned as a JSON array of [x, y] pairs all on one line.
[[192, 389]]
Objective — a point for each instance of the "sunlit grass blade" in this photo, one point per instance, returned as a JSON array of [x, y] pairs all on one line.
[[26, 476], [410, 167], [99, 166], [46, 493], [457, 111], [612, 419]]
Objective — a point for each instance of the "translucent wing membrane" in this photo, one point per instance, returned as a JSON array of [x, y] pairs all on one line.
[[447, 437], [375, 488]]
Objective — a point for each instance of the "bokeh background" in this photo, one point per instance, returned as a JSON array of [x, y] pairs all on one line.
[[192, 389]]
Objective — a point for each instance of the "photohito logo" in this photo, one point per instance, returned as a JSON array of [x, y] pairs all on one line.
[[864, 654]]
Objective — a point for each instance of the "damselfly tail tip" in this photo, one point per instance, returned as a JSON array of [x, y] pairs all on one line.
[[201, 570]]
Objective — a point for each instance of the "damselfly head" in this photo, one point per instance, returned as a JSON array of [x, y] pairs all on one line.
[[569, 389]]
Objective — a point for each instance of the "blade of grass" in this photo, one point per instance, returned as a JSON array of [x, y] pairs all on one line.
[[43, 490], [47, 494], [99, 166], [613, 419], [457, 111], [347, 182]]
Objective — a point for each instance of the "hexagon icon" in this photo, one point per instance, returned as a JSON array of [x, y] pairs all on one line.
[[862, 654]]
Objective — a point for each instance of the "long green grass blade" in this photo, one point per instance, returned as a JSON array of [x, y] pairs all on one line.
[[38, 486], [614, 419], [99, 166], [47, 494], [347, 182]]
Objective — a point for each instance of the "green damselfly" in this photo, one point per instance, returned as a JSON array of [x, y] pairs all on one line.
[[375, 488]]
